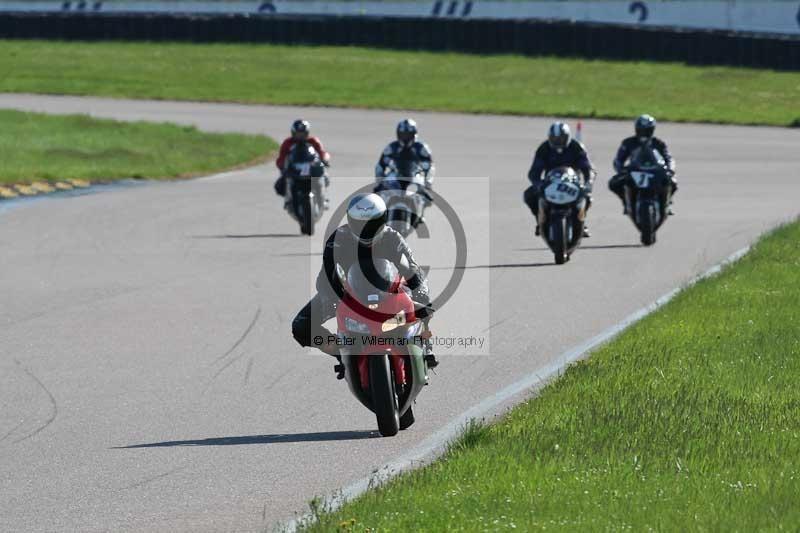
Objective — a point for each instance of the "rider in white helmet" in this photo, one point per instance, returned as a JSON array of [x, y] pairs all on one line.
[[559, 150], [408, 147], [365, 237]]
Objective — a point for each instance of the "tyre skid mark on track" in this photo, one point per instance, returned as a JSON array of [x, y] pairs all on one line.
[[242, 338], [433, 446], [221, 370], [12, 430], [277, 379], [51, 399], [151, 479], [249, 369]]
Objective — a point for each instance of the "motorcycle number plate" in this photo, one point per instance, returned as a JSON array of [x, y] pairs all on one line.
[[642, 179], [561, 192]]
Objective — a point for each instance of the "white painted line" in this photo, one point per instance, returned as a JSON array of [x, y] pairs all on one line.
[[436, 443]]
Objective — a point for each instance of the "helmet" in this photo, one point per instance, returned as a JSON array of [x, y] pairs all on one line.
[[559, 136], [645, 127], [366, 218], [300, 128], [407, 132]]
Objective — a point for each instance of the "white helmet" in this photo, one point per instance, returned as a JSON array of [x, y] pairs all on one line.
[[366, 218], [559, 136]]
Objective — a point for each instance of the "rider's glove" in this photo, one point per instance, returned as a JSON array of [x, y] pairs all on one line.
[[425, 312]]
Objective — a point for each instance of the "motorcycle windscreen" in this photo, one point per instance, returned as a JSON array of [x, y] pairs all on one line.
[[304, 161], [647, 157], [375, 293], [407, 168]]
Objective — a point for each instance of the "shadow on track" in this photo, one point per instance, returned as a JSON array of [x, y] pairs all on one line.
[[303, 254], [251, 236], [584, 247], [260, 439], [499, 265]]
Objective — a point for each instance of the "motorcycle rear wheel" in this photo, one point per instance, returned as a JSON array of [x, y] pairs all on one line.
[[384, 397]]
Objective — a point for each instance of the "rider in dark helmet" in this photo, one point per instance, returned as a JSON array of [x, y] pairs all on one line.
[[300, 132], [645, 127], [407, 146], [560, 149], [365, 238]]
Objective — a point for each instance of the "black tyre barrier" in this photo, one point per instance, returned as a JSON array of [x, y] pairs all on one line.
[[482, 36]]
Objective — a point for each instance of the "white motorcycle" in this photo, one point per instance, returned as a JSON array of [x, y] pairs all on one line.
[[562, 212], [405, 191]]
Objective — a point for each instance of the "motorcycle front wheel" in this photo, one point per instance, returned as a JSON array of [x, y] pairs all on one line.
[[384, 397], [557, 232], [647, 221], [307, 224]]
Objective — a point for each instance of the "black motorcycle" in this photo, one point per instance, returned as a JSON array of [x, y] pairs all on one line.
[[647, 187], [305, 186], [562, 212]]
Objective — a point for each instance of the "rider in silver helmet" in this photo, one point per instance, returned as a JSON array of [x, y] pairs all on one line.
[[559, 150], [365, 237], [406, 147]]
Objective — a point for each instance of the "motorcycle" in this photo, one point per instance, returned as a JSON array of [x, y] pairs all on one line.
[[380, 346], [647, 190], [562, 212], [305, 186], [406, 196]]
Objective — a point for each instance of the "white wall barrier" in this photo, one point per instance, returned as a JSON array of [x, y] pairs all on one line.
[[768, 16]]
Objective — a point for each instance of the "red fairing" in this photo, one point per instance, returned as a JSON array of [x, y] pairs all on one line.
[[286, 147], [398, 301]]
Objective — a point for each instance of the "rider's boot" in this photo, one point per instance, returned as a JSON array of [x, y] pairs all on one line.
[[429, 357], [538, 231], [586, 233], [339, 368]]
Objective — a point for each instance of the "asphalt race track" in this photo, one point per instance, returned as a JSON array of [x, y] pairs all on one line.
[[148, 379]]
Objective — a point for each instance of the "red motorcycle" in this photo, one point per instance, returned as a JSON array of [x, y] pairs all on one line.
[[381, 344]]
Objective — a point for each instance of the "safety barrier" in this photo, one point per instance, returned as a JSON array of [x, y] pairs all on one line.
[[484, 36]]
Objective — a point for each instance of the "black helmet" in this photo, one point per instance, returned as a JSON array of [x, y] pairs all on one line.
[[301, 127], [407, 132], [366, 218], [645, 127], [559, 136]]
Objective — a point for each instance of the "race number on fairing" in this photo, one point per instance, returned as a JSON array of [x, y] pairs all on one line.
[[641, 179], [561, 192]]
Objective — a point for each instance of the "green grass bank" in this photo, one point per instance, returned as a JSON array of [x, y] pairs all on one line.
[[39, 147], [361, 77], [688, 421]]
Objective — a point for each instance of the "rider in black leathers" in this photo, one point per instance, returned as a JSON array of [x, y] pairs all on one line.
[[560, 149], [407, 147], [645, 127], [365, 237]]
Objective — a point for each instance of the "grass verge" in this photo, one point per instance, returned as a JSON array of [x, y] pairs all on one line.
[[361, 77], [39, 147], [688, 421]]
